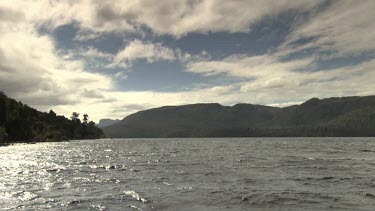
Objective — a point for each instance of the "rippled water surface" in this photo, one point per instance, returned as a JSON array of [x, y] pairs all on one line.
[[190, 174]]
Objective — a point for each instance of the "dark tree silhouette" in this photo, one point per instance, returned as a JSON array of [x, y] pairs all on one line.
[[21, 123], [85, 118], [74, 116]]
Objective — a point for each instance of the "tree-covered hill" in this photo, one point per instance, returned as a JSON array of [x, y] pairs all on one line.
[[347, 116], [21, 123]]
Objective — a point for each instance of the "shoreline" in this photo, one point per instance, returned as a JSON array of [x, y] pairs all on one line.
[[2, 144], [6, 143]]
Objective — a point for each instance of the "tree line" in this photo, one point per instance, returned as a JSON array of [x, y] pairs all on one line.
[[21, 123]]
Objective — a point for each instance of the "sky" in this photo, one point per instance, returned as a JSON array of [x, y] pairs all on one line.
[[113, 58]]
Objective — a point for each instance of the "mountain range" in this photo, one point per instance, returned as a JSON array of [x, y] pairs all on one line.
[[345, 116]]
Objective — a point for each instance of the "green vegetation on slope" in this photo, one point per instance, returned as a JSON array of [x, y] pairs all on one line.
[[347, 116], [21, 123]]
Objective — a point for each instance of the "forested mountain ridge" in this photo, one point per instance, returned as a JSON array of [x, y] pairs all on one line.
[[346, 116], [21, 123]]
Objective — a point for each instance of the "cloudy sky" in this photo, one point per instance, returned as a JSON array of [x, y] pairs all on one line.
[[113, 58]]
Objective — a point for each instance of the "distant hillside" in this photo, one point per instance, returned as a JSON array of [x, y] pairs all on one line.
[[106, 122], [347, 116], [21, 123]]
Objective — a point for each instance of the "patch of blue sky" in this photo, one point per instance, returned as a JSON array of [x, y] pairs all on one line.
[[267, 34], [164, 76]]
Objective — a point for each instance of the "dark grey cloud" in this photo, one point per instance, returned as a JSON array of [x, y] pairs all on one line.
[[107, 100], [129, 108], [12, 84], [135, 106], [10, 15], [48, 100], [92, 94]]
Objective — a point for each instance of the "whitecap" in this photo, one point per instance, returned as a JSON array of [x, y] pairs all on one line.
[[135, 195]]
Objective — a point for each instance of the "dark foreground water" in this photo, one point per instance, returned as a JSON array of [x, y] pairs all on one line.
[[190, 174]]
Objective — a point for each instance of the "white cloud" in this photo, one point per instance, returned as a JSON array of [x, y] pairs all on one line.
[[93, 93], [137, 49], [346, 27], [152, 52], [179, 18], [95, 53], [281, 105], [176, 18], [32, 70], [248, 66], [120, 75], [271, 81]]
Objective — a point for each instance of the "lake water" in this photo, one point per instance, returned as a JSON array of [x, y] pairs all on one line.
[[190, 174]]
